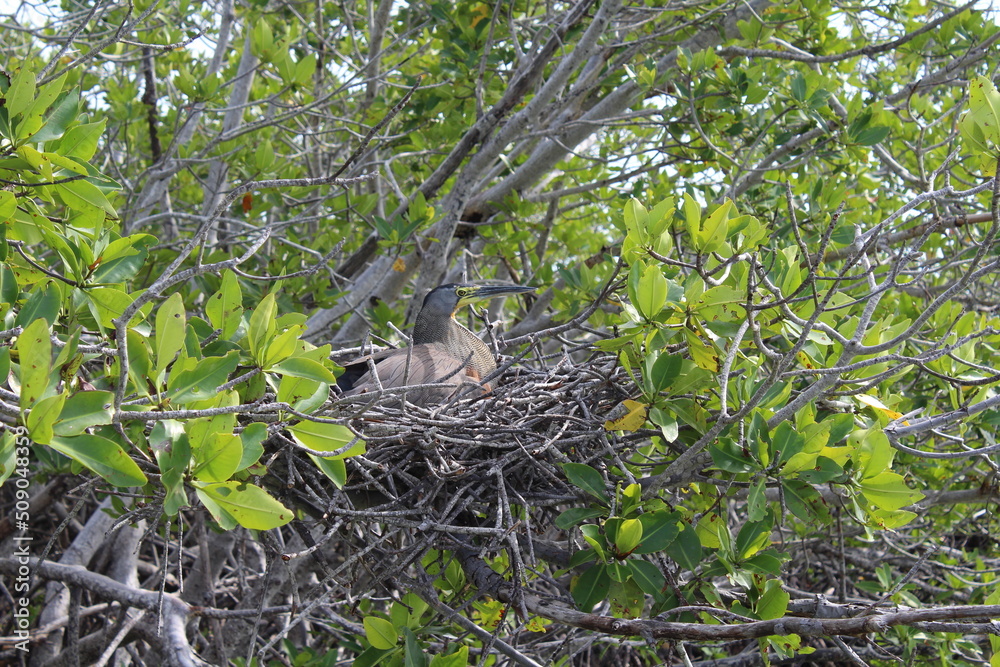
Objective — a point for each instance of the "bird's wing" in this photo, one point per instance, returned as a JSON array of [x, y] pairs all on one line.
[[421, 364]]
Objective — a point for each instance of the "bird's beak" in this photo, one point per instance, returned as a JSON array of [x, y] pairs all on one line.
[[485, 292]]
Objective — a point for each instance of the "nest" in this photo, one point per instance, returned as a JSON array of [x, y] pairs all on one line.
[[448, 476]]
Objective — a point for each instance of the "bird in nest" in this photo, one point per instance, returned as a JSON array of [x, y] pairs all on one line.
[[445, 356]]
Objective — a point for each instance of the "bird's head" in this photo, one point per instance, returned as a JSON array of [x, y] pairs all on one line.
[[445, 300]]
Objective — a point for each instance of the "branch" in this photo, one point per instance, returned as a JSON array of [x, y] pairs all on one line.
[[175, 612], [869, 50], [490, 583]]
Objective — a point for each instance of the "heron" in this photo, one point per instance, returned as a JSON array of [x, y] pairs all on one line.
[[443, 352]]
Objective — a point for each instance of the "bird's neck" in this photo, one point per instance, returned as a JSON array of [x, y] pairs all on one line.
[[459, 341]]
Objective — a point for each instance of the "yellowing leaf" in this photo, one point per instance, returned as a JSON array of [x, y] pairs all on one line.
[[873, 402], [478, 14], [632, 420], [890, 520], [703, 353]]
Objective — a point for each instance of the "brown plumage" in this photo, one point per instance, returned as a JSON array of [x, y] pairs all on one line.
[[443, 352]]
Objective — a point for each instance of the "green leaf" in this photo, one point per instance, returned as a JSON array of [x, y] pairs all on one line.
[[595, 538], [799, 88], [765, 563], [252, 436], [577, 515], [754, 536], [371, 657], [8, 455], [83, 410], [631, 499], [324, 437], [720, 295], [786, 442], [981, 123], [730, 457], [108, 304], [651, 293], [648, 577], [659, 529], [586, 478], [282, 347], [35, 353], [824, 470], [592, 587], [460, 658], [692, 217], [81, 140], [380, 633], [841, 426], [263, 157], [664, 370], [44, 303], [82, 193], [888, 491], [218, 457], [103, 457], [712, 232], [703, 351], [8, 282], [304, 368], [247, 505], [582, 557], [225, 308], [4, 362], [139, 367], [170, 322], [8, 205], [42, 417], [31, 121], [261, 328], [413, 652], [804, 501], [37, 161], [625, 598], [333, 467], [303, 394], [757, 501], [21, 92], [891, 519], [773, 603], [202, 379], [172, 450], [872, 135], [686, 549], [873, 454], [123, 258]]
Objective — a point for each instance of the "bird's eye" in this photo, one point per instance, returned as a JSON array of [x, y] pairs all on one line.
[[461, 291]]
